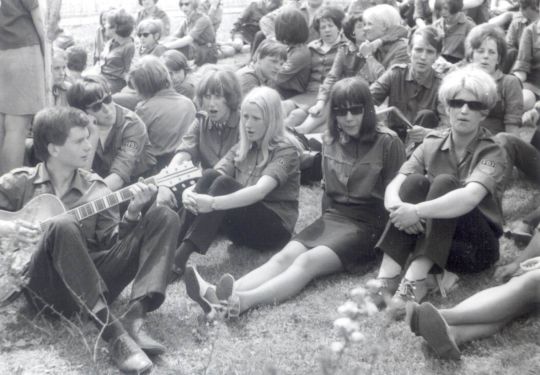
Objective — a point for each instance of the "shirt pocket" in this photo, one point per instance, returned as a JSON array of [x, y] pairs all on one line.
[[365, 181]]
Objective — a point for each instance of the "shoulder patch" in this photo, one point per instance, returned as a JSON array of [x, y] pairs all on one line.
[[487, 166]]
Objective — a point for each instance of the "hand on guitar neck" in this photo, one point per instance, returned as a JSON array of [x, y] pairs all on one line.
[[21, 231], [142, 194]]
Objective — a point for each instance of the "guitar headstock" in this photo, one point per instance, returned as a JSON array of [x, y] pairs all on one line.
[[184, 174]]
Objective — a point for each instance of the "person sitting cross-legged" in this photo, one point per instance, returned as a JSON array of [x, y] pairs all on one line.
[[81, 267]]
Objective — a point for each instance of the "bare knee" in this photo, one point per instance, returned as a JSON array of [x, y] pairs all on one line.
[[288, 255]]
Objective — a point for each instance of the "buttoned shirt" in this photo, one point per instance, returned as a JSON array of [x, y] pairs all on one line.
[[101, 231], [356, 173], [117, 59], [283, 165], [127, 149], [408, 93], [528, 59], [484, 163], [207, 143], [167, 116], [321, 62], [454, 36]]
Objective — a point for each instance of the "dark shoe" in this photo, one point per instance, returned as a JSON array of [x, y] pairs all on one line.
[[408, 291], [141, 338], [193, 280], [382, 289], [224, 287], [411, 316], [128, 356], [430, 324], [175, 275], [522, 233]]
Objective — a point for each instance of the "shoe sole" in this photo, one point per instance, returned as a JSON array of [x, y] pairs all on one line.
[[193, 290], [433, 328], [225, 286], [411, 316]]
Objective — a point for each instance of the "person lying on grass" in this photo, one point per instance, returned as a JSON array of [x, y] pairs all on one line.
[[445, 203], [484, 313], [359, 159], [251, 194]]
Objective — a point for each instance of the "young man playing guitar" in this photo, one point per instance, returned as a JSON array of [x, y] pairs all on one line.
[[83, 266]]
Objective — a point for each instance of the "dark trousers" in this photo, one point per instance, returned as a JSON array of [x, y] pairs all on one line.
[[255, 226], [521, 155], [464, 244], [65, 276]]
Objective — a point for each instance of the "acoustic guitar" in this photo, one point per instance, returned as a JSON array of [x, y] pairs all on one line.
[[15, 257]]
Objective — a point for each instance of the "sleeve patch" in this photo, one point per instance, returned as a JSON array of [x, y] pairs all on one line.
[[487, 166]]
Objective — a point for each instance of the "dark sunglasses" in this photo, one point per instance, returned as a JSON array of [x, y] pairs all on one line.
[[96, 106], [146, 35], [473, 105], [355, 110]]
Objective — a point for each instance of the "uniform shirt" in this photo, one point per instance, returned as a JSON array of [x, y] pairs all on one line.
[[509, 107], [208, 143], [283, 165], [293, 77], [356, 173], [199, 27], [101, 230], [484, 163], [117, 59], [454, 37], [406, 93], [157, 14], [16, 25], [167, 116], [321, 62], [528, 59], [127, 149]]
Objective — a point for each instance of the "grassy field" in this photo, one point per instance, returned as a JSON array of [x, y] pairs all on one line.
[[291, 338]]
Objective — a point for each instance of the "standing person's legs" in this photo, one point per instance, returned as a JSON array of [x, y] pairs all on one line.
[[521, 154], [15, 131]]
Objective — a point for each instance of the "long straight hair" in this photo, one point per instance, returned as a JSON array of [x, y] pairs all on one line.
[[269, 103]]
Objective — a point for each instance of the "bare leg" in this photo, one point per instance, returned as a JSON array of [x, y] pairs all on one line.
[[12, 153], [498, 304], [275, 265], [470, 332], [312, 124], [419, 268], [317, 262], [389, 267]]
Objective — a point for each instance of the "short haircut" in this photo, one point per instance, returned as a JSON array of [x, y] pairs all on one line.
[[222, 82], [149, 75], [87, 91], [474, 80], [531, 4], [175, 60], [348, 92], [271, 48], [348, 27], [479, 33], [330, 13], [76, 58], [52, 125], [291, 27], [153, 26], [383, 14], [431, 35], [122, 22], [140, 2], [454, 6]]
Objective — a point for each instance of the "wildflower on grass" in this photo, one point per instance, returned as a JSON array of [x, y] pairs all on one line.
[[337, 346]]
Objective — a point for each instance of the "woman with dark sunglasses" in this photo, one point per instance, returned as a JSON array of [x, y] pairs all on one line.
[[359, 159], [445, 203]]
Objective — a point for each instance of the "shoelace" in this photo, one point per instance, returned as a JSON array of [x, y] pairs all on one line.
[[406, 289]]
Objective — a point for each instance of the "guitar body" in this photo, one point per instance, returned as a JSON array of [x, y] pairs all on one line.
[[37, 210]]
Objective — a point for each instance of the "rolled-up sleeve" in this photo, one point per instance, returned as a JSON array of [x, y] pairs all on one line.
[[416, 163], [380, 89], [190, 141], [226, 164], [284, 163], [134, 138], [489, 168]]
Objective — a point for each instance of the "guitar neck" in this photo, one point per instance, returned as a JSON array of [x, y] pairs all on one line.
[[104, 203]]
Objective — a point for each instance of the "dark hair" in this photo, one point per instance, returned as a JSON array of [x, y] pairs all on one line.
[[222, 82], [271, 48], [175, 60], [352, 91], [454, 6], [331, 13], [52, 125], [532, 4], [291, 27], [76, 58], [87, 91], [123, 22], [482, 32], [348, 27], [431, 35], [149, 75], [140, 2]]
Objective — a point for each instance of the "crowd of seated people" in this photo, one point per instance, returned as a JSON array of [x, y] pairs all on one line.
[[417, 113]]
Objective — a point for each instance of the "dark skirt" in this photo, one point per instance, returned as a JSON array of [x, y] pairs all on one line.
[[352, 240]]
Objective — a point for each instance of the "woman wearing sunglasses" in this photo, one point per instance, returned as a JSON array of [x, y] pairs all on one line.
[[122, 149], [359, 159], [445, 203]]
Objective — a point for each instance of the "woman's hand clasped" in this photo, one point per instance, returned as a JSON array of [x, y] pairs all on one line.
[[405, 217], [197, 203]]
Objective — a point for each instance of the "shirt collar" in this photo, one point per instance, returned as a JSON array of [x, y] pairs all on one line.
[[448, 144], [426, 81], [232, 122], [43, 176]]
